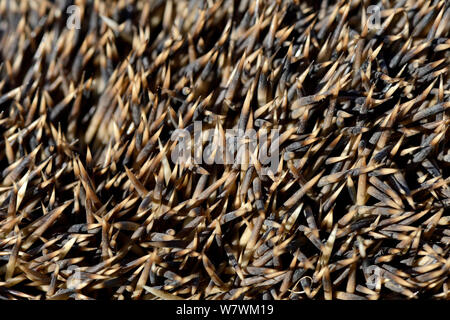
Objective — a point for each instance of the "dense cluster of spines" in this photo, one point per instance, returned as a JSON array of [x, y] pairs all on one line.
[[91, 205]]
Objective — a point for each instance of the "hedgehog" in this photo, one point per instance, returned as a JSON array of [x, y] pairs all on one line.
[[226, 150]]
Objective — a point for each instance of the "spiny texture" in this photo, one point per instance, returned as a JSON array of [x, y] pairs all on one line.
[[93, 207]]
